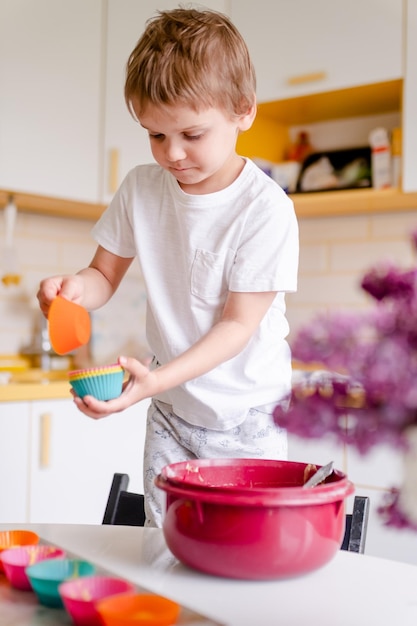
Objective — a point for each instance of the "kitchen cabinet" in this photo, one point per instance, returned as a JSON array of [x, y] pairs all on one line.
[[57, 465], [126, 144], [65, 131], [50, 105], [324, 62], [308, 47], [409, 156], [14, 461], [73, 459]]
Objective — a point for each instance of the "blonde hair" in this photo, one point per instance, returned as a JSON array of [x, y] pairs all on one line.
[[193, 57]]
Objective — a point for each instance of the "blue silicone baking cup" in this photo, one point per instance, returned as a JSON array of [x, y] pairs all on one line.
[[102, 385]]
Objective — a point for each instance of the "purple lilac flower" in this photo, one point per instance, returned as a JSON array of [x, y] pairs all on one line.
[[391, 512], [381, 283], [368, 396]]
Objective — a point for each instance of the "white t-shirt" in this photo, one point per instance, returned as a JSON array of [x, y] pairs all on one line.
[[192, 250]]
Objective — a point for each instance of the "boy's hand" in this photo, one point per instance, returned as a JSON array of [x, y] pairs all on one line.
[[141, 384], [69, 287]]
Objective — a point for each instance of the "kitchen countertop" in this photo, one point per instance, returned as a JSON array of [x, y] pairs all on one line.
[[351, 589], [35, 384]]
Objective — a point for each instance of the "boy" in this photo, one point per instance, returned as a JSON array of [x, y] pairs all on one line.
[[217, 241]]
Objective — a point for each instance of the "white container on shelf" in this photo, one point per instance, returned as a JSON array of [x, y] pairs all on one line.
[[396, 153], [380, 158]]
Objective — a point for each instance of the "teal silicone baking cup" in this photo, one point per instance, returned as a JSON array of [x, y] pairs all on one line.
[[104, 383]]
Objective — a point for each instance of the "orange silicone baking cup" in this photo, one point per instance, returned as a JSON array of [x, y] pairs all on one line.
[[138, 609], [16, 538], [69, 325]]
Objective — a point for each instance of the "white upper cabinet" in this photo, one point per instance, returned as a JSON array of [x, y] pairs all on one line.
[[301, 47], [409, 176], [64, 127], [50, 77], [126, 144]]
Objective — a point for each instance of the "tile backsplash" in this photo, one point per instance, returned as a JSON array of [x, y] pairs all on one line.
[[52, 245], [334, 252]]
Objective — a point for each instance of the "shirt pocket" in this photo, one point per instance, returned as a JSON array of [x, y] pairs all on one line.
[[210, 273]]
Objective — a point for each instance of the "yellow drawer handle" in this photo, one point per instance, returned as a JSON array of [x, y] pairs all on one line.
[[114, 170], [45, 440], [306, 78]]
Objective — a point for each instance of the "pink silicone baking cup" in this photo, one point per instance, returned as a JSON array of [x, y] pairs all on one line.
[[81, 596], [16, 560]]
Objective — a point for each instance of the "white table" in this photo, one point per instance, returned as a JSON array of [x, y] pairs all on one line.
[[351, 590]]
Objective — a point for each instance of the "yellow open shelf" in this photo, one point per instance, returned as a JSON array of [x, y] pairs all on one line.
[[269, 138]]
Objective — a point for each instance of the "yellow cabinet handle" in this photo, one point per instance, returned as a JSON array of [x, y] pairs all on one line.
[[45, 439], [313, 77], [114, 170]]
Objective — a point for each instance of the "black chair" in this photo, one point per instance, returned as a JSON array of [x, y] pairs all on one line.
[[128, 509], [124, 507], [356, 526]]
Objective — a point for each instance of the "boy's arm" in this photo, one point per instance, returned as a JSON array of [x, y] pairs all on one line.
[[91, 287], [242, 314], [102, 277]]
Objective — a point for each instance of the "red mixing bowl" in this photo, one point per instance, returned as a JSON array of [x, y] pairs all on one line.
[[252, 519]]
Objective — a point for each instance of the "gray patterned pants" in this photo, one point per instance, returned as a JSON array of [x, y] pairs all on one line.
[[169, 439]]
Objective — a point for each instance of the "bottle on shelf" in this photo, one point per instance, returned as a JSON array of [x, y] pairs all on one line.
[[301, 149]]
